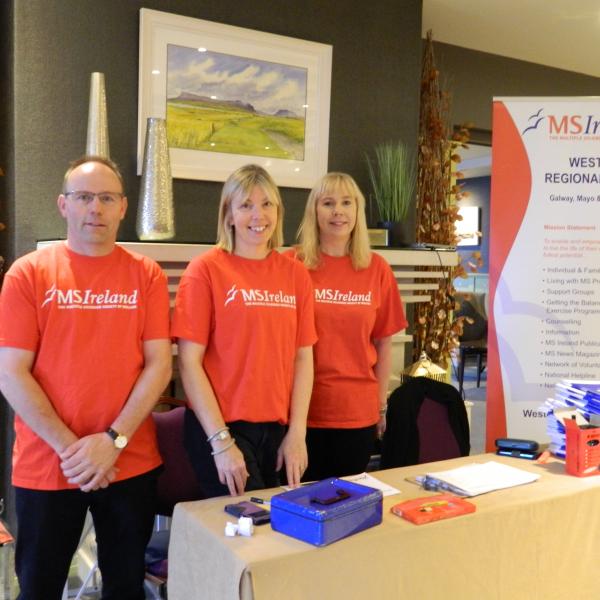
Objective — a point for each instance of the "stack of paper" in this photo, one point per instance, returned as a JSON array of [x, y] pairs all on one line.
[[478, 478], [579, 399]]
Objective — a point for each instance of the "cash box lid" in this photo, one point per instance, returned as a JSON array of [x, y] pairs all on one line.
[[326, 499]]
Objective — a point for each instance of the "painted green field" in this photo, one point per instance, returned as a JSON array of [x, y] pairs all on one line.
[[197, 125]]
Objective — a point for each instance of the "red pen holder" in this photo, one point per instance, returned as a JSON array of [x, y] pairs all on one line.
[[583, 449]]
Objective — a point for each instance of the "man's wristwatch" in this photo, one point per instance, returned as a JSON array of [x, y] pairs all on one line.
[[120, 441]]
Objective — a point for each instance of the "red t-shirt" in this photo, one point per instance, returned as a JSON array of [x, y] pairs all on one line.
[[352, 308], [86, 319], [252, 316]]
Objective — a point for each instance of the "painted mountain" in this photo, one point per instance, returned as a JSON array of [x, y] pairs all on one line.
[[222, 103]]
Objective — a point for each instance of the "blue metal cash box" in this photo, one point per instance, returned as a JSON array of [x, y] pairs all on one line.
[[326, 511]]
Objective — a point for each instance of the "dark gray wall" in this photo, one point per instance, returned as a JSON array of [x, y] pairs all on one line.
[[376, 64], [6, 191], [58, 43], [474, 78]]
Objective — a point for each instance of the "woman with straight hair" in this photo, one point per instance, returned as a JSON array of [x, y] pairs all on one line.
[[357, 310], [244, 325]]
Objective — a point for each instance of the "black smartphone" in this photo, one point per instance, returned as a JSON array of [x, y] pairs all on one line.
[[258, 514]]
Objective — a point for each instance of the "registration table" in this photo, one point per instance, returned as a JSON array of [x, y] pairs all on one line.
[[536, 541]]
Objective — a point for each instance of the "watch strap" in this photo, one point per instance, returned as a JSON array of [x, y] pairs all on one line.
[[112, 433], [119, 440]]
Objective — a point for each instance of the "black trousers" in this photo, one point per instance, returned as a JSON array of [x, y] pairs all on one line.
[[50, 525], [338, 452], [258, 442]]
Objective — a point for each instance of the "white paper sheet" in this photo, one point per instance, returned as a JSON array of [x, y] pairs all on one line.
[[369, 480], [480, 478]]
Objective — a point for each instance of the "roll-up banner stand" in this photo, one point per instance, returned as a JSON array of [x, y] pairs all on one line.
[[544, 257]]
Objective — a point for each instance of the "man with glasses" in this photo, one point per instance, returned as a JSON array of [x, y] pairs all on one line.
[[84, 355]]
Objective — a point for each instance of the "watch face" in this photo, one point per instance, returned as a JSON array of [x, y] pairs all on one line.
[[223, 435], [121, 442]]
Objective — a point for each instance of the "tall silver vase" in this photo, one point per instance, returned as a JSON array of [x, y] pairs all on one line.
[[156, 214], [97, 129]]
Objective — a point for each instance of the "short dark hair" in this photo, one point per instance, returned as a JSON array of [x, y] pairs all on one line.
[[91, 158]]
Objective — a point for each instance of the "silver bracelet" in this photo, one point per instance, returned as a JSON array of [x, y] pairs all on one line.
[[210, 438], [231, 443]]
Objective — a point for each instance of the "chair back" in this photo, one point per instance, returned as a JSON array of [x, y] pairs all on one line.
[[426, 421], [436, 438], [177, 482]]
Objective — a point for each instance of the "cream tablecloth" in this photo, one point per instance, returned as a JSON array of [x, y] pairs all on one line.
[[537, 541]]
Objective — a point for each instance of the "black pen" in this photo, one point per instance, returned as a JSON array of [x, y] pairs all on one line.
[[259, 500]]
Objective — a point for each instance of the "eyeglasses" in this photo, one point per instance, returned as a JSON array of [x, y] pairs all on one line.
[[85, 198]]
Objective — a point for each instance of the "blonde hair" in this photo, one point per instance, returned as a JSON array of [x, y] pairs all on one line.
[[240, 183], [308, 232]]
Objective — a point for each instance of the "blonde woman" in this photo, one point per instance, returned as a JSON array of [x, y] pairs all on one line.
[[357, 310], [244, 323]]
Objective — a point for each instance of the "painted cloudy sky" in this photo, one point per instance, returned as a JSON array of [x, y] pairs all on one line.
[[269, 87]]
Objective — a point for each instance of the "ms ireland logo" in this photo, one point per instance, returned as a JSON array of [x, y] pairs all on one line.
[[260, 297], [565, 126]]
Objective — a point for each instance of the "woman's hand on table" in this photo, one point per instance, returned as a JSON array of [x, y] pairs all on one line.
[[293, 452], [231, 467]]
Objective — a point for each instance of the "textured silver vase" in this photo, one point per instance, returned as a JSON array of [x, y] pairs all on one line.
[[156, 214], [97, 129]]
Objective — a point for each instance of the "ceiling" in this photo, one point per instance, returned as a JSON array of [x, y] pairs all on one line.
[[556, 33]]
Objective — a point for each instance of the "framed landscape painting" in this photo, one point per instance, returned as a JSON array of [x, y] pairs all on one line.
[[233, 96]]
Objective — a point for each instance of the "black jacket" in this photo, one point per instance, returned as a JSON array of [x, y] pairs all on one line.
[[400, 444]]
